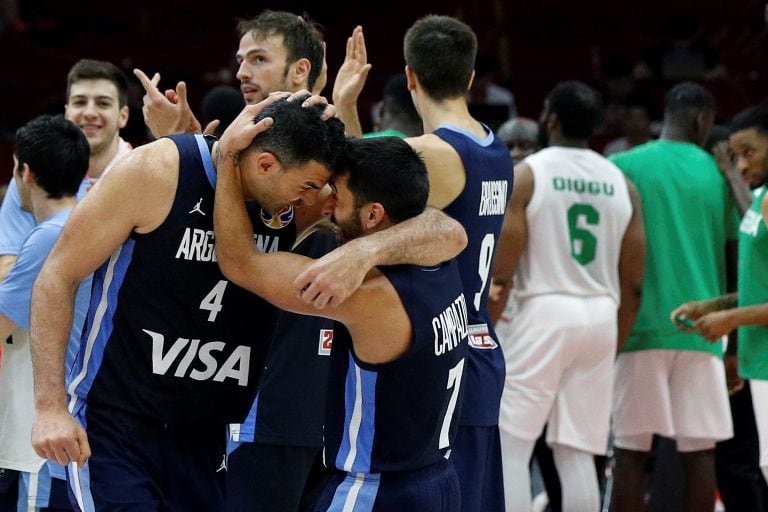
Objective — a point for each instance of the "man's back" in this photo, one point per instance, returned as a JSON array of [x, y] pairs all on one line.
[[480, 208], [576, 219], [382, 435], [686, 200]]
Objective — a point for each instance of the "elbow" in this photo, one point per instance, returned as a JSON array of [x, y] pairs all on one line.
[[459, 237], [229, 265]]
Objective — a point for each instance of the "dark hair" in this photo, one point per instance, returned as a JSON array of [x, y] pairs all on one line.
[[301, 37], [89, 69], [299, 135], [224, 103], [578, 107], [753, 117], [57, 151], [386, 170], [441, 52], [685, 101]]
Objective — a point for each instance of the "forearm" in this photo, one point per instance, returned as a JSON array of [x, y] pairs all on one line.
[[50, 326], [347, 112], [750, 315], [627, 313], [427, 239], [232, 227], [720, 303]]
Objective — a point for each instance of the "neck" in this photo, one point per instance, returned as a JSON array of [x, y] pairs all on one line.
[[674, 133], [43, 206], [450, 111], [98, 161]]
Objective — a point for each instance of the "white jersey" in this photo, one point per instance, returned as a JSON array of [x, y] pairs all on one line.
[[576, 219]]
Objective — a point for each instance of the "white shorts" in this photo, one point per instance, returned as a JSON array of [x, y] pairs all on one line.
[[759, 390], [559, 352], [679, 394]]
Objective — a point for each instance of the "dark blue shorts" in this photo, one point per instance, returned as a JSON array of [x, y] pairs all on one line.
[[477, 457], [268, 477], [431, 489], [144, 465]]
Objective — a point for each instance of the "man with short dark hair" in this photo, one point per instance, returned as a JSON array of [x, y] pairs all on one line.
[[50, 162], [97, 93], [400, 340], [745, 310], [669, 382], [574, 242], [470, 177]]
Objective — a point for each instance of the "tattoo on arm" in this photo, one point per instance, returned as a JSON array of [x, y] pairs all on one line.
[[220, 158], [726, 302]]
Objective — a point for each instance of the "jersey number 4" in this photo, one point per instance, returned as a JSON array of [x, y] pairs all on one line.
[[583, 242], [212, 301]]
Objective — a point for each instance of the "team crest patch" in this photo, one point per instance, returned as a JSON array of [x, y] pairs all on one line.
[[480, 338], [278, 220]]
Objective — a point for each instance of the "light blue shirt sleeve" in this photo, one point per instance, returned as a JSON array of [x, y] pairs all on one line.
[[16, 288], [15, 223]]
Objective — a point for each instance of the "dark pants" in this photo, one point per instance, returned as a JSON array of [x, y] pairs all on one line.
[[739, 479]]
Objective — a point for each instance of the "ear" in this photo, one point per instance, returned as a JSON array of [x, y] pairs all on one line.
[[266, 162], [471, 80], [123, 119], [553, 122], [374, 217], [27, 176], [300, 73], [410, 78]]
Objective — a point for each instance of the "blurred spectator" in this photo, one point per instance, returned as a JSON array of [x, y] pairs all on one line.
[[395, 115], [521, 135], [635, 128], [223, 102]]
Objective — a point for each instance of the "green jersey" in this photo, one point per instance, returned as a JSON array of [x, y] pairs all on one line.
[[688, 215], [753, 289]]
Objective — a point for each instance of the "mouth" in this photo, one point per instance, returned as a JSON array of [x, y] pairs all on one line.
[[89, 129], [251, 93]]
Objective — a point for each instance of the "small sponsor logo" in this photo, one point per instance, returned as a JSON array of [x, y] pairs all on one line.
[[325, 343], [480, 338], [197, 208]]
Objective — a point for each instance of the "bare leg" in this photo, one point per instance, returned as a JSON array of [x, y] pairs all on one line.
[[700, 482], [629, 481]]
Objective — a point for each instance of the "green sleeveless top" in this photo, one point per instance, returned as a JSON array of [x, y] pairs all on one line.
[[753, 289]]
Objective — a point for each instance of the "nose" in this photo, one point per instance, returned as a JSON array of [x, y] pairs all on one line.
[[741, 164], [329, 206], [90, 108], [242, 72]]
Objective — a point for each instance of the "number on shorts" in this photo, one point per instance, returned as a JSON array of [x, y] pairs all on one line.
[[212, 301], [583, 242], [454, 383], [484, 265]]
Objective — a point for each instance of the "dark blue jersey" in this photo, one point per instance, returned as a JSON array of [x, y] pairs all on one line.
[[401, 415], [167, 336], [480, 208], [290, 405]]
